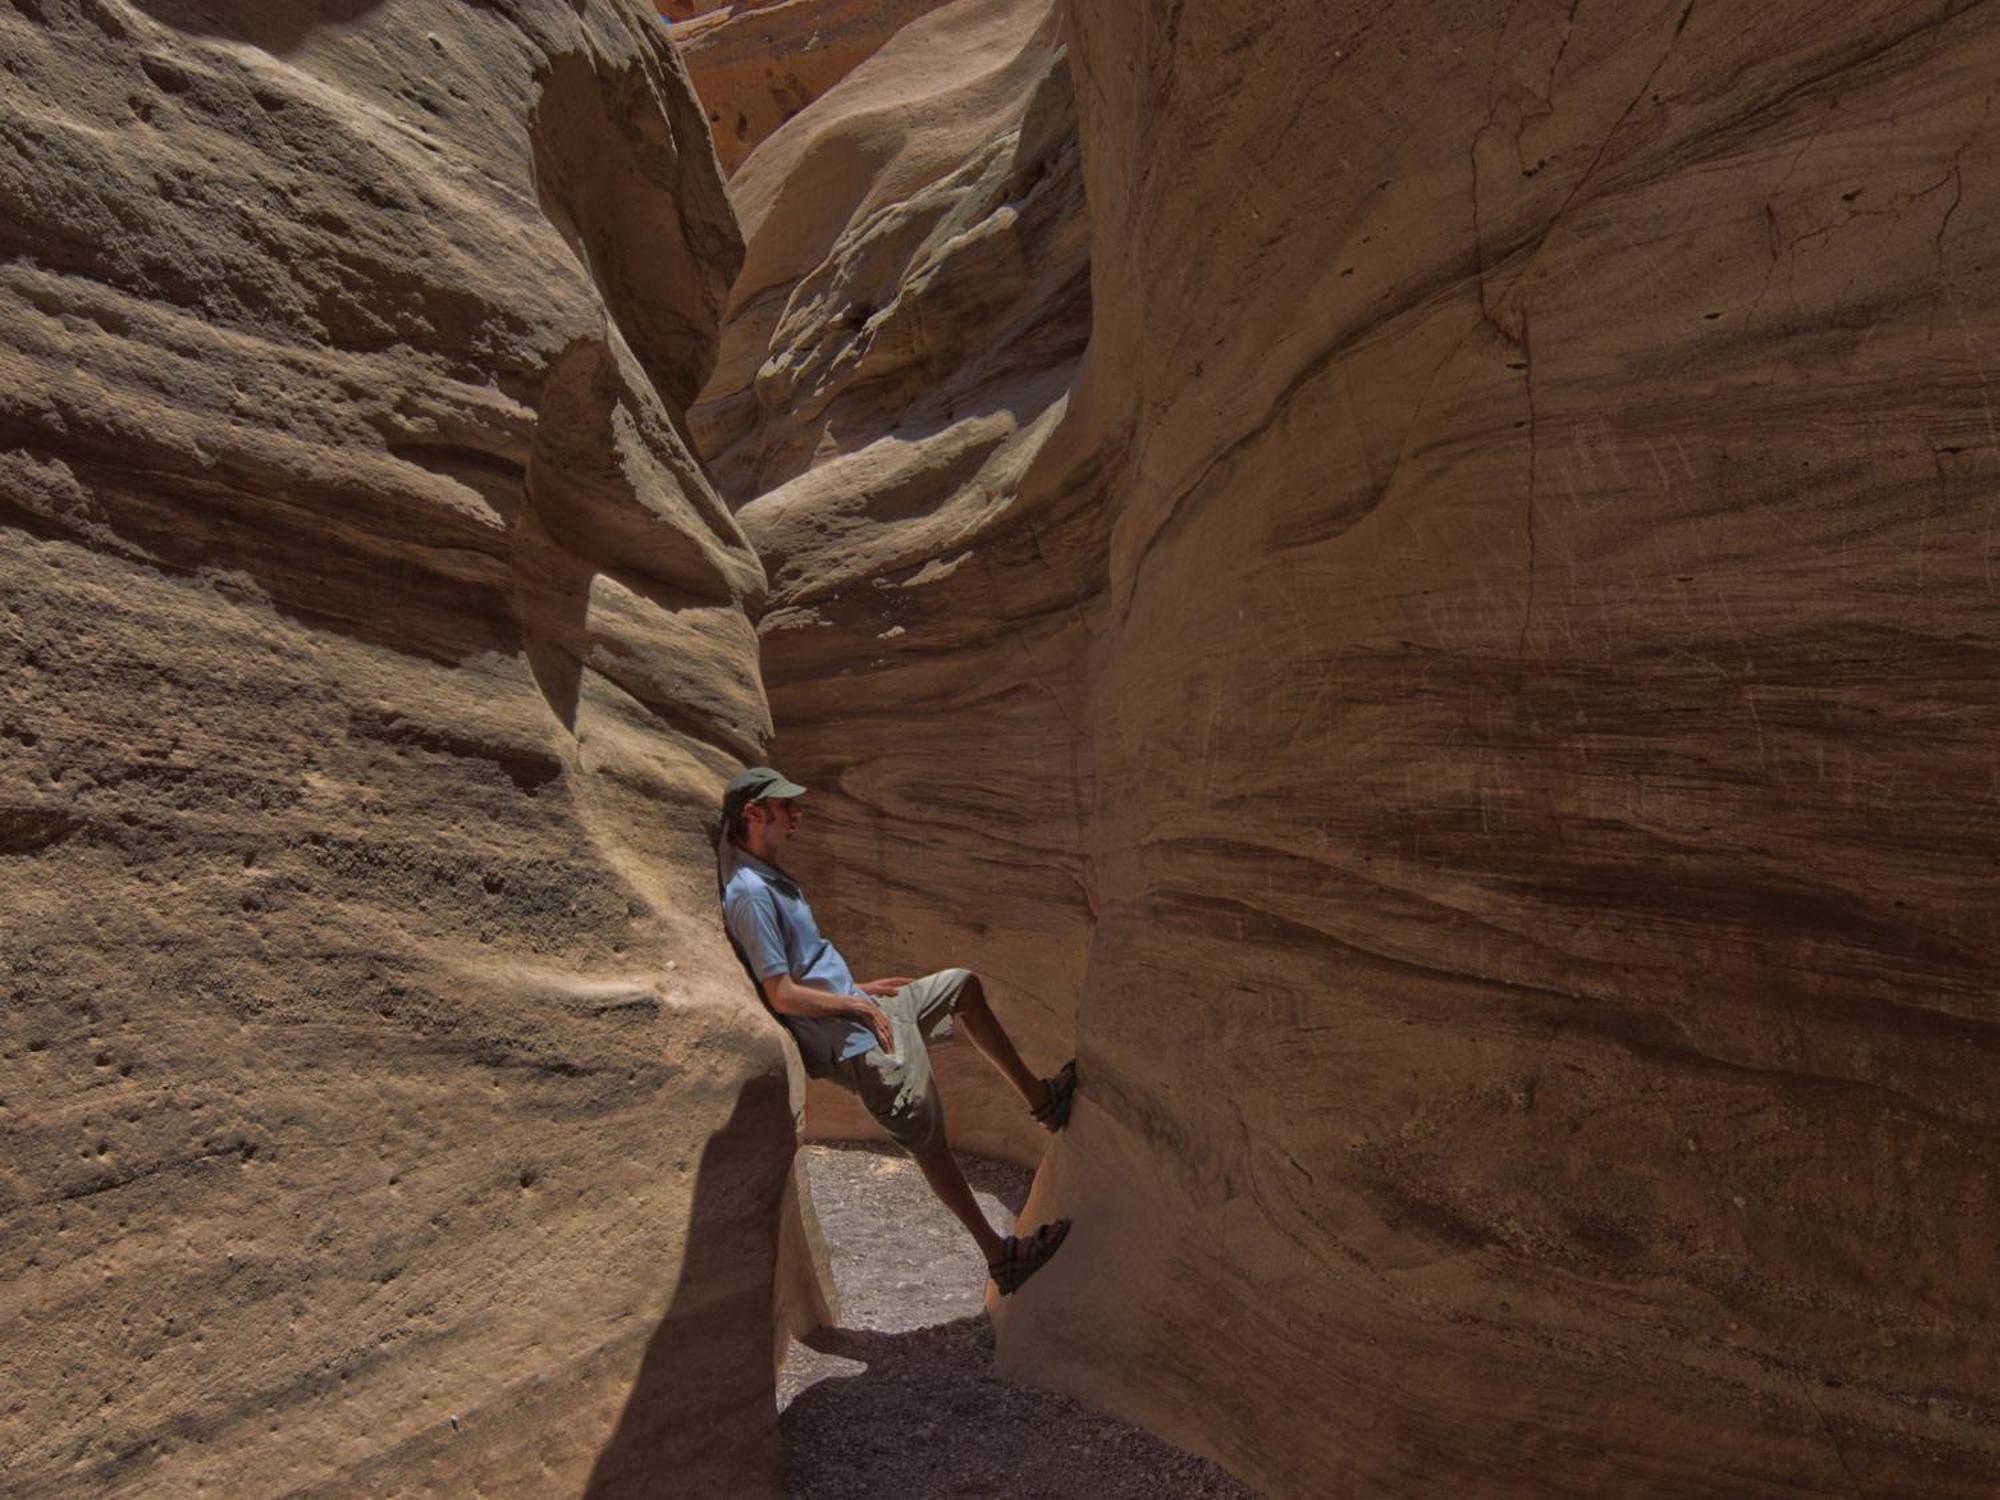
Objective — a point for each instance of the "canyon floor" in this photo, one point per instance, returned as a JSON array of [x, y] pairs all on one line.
[[901, 1399]]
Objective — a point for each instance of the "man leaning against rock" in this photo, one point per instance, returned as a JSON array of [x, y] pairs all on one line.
[[871, 1039]]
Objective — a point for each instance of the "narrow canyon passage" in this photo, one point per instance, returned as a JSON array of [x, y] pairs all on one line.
[[901, 1398], [1417, 586]]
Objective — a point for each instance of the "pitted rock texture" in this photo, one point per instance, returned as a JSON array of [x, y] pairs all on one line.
[[383, 1111], [1511, 583], [757, 63], [896, 354]]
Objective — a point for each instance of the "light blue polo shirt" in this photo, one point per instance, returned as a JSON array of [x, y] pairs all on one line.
[[766, 913]]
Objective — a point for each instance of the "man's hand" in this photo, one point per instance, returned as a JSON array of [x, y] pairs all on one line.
[[876, 1020], [882, 989], [790, 998]]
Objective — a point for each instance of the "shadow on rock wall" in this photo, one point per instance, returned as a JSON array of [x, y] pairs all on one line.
[[277, 28], [717, 1337]]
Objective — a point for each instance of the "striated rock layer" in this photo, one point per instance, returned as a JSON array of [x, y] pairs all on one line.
[[895, 355], [1493, 651], [1540, 1025], [757, 63], [383, 1111]]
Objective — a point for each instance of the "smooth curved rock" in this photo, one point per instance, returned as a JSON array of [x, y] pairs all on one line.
[[1540, 1027], [383, 1111], [757, 63]]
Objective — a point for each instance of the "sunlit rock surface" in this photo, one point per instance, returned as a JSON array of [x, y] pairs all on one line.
[[757, 63], [896, 354], [1494, 655], [382, 1109]]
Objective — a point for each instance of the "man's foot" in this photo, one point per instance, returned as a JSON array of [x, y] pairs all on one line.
[[1023, 1255], [1054, 1111]]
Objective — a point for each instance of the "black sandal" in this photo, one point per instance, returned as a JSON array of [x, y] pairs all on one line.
[[1062, 1088], [1023, 1255]]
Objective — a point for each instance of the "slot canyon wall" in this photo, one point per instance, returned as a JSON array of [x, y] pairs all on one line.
[[1481, 680], [895, 356], [383, 1111]]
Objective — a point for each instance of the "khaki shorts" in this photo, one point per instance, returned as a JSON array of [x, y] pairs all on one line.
[[897, 1087]]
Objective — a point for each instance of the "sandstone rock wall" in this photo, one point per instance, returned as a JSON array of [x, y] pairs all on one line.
[[382, 1108], [1540, 1027], [896, 354], [1510, 580]]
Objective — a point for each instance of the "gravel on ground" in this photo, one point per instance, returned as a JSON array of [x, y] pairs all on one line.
[[902, 1399]]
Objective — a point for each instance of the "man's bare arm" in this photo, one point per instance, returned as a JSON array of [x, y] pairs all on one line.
[[790, 998]]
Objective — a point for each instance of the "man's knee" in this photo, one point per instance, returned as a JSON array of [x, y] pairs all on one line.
[[931, 1153], [972, 993], [923, 1137]]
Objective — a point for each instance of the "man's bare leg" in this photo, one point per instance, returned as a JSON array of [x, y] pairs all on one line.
[[942, 1172], [994, 1044]]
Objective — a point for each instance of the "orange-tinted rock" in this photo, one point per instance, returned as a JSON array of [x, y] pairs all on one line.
[[1510, 584], [1540, 1027], [383, 1111], [757, 63]]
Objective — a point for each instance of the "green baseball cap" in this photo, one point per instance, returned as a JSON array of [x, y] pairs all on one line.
[[754, 785]]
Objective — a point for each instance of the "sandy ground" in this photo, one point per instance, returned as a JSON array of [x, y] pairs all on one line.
[[902, 1400]]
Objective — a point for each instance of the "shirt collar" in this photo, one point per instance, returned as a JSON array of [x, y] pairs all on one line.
[[743, 859]]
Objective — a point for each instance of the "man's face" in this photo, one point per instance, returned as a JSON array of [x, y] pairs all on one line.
[[779, 817]]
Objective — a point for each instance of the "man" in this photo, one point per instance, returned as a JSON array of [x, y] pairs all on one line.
[[871, 1038]]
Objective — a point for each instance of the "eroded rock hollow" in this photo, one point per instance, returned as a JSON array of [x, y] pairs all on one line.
[[1471, 700]]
